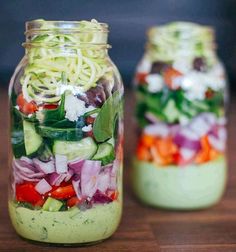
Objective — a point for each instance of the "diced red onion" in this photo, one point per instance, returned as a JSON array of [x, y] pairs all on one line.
[[89, 177], [76, 186], [43, 187], [45, 167], [56, 179], [101, 198], [103, 181], [69, 175], [187, 154], [151, 117], [27, 160], [217, 143], [61, 163], [210, 118], [25, 171], [187, 139], [158, 129], [76, 165], [173, 129], [200, 126]]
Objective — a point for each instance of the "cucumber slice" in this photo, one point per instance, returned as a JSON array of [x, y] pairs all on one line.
[[32, 139], [105, 153], [171, 112], [70, 134], [52, 205], [83, 149]]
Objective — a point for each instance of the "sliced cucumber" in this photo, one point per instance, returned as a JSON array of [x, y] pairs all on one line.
[[70, 134], [171, 112], [18, 144], [105, 153], [83, 149], [52, 205], [32, 139]]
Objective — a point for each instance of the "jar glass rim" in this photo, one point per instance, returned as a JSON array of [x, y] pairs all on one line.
[[37, 25]]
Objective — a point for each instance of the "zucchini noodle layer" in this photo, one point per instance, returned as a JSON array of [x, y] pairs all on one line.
[[51, 67]]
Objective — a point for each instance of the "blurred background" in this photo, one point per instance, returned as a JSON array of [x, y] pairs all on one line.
[[128, 22]]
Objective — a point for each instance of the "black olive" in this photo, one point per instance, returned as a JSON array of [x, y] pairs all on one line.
[[199, 64], [158, 67]]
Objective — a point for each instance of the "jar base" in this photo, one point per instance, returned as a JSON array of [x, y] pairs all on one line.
[[69, 245], [193, 187]]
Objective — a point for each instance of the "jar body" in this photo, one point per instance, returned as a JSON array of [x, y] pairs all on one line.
[[66, 138], [180, 158]]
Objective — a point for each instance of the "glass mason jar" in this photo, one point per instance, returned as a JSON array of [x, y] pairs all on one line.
[[66, 99], [181, 90]]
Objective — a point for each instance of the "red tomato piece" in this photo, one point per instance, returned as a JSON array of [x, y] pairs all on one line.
[[50, 106], [26, 107], [26, 193], [73, 201], [64, 192], [90, 120]]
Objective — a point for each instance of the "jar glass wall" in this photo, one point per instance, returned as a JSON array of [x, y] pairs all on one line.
[[181, 92], [66, 99]]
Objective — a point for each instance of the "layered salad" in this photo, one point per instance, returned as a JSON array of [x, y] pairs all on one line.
[[66, 136], [180, 87]]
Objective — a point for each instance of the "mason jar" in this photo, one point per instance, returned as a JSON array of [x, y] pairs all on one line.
[[66, 135], [180, 84]]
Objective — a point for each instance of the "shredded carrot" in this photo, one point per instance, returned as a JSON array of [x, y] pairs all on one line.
[[166, 147], [204, 153], [169, 75], [143, 153], [147, 140]]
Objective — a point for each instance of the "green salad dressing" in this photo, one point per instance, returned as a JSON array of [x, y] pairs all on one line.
[[189, 187], [74, 226]]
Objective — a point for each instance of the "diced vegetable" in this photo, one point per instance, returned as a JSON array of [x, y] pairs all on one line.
[[26, 192], [52, 205], [31, 138], [43, 187], [64, 192], [67, 134], [26, 107], [83, 149], [105, 153]]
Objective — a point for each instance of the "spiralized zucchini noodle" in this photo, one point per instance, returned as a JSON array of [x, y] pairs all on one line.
[[181, 39], [56, 59]]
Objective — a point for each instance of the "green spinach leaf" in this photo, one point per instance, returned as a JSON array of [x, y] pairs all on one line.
[[104, 123]]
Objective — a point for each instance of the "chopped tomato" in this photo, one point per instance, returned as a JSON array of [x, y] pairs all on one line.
[[90, 120], [170, 74], [73, 201], [89, 133], [26, 107], [114, 195], [40, 202], [141, 78], [50, 106], [209, 94], [64, 192], [26, 193]]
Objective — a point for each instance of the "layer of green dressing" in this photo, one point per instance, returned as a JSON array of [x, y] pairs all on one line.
[[67, 227], [188, 187]]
